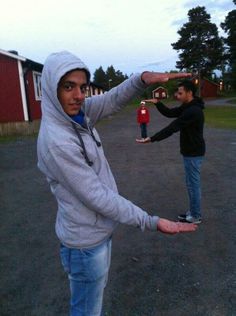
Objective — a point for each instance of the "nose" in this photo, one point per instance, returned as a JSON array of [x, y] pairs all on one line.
[[78, 94]]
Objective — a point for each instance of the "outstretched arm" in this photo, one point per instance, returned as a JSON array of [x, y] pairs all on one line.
[[164, 110], [149, 77], [100, 106]]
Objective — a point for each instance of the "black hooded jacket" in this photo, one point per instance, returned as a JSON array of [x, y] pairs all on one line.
[[190, 123]]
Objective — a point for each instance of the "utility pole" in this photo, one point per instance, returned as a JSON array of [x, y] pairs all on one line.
[[109, 83], [199, 81]]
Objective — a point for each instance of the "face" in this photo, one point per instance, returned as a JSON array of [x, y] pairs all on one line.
[[184, 96], [71, 91]]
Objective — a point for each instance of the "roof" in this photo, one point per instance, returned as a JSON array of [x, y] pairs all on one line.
[[12, 55], [158, 88], [205, 79], [28, 62], [212, 82]]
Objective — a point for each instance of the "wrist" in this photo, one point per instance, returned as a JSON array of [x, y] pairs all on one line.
[[143, 77], [152, 139]]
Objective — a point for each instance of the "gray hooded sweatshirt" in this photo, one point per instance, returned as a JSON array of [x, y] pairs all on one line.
[[89, 205]]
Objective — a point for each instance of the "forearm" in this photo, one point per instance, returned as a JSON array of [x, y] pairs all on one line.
[[100, 106], [166, 132], [162, 134], [164, 110]]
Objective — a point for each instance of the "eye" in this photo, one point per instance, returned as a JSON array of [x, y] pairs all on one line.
[[68, 86], [83, 88]]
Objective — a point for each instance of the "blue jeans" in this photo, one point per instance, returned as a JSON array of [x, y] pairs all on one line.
[[87, 270], [143, 127], [192, 167]]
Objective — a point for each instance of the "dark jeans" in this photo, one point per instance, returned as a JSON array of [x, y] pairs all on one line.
[[143, 127]]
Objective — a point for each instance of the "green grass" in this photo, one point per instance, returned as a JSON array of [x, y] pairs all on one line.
[[221, 116], [215, 116], [228, 94], [15, 138]]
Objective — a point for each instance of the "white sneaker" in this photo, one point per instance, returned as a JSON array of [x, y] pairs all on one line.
[[183, 216], [194, 220]]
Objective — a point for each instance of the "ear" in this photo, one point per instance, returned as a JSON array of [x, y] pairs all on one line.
[[190, 93]]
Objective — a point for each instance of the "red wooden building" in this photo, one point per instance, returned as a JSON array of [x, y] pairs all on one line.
[[20, 91], [209, 89], [160, 93]]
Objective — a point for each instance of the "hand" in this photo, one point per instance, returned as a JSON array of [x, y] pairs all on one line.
[[169, 227], [154, 101], [143, 140], [157, 77]]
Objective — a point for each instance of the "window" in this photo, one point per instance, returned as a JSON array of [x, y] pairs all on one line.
[[37, 85]]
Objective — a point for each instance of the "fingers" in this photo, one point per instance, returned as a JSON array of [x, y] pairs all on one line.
[[171, 76], [170, 227], [179, 75], [150, 100], [157, 77], [179, 227], [186, 227]]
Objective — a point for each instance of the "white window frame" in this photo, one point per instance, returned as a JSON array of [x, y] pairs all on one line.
[[37, 85]]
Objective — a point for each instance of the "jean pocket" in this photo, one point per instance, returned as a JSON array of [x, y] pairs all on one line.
[[65, 258]]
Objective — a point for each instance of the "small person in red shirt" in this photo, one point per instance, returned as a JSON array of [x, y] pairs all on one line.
[[143, 118]]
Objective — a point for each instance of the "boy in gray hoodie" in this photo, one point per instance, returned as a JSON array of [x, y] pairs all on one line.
[[71, 156]]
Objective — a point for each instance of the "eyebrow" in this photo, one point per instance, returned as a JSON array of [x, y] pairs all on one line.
[[72, 83]]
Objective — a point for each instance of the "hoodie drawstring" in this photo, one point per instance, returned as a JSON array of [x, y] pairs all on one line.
[[96, 141], [89, 162]]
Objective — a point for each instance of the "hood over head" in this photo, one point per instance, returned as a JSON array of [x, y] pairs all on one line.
[[55, 67]]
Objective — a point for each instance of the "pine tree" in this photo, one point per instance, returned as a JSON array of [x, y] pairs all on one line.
[[111, 76], [100, 78], [108, 79], [200, 45], [229, 26]]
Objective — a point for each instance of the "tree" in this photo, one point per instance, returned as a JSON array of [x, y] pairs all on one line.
[[229, 26], [111, 76], [108, 79], [200, 45], [100, 78], [120, 77]]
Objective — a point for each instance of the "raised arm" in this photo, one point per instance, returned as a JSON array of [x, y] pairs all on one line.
[[114, 100]]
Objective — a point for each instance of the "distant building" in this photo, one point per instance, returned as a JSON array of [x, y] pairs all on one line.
[[94, 89], [20, 89], [160, 93], [209, 89]]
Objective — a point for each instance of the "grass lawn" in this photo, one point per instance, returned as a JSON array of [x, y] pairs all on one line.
[[14, 138], [215, 116], [221, 116]]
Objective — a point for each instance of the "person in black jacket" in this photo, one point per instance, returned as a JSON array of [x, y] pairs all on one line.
[[190, 123]]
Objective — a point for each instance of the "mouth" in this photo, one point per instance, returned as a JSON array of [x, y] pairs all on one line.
[[75, 105], [74, 108]]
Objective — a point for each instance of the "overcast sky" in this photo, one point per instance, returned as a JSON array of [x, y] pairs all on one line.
[[131, 35]]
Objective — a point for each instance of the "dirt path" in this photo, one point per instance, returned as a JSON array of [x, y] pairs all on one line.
[[151, 274]]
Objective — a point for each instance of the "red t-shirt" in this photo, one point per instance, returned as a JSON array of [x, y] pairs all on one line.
[[143, 114]]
